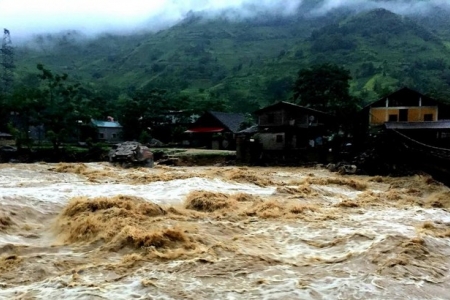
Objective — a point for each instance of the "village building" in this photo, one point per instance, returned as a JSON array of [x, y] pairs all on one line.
[[411, 114], [109, 131], [215, 130], [284, 131]]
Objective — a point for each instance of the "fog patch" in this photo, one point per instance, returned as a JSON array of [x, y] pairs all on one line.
[[402, 7]]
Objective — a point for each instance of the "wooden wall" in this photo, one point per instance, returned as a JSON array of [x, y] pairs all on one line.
[[380, 115]]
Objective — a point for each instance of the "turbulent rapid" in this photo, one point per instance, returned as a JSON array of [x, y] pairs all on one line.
[[93, 231]]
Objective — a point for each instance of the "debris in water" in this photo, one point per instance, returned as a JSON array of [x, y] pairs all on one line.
[[5, 222], [245, 175], [209, 201], [353, 183], [121, 221]]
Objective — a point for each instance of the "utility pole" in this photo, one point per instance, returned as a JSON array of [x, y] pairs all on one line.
[[7, 63]]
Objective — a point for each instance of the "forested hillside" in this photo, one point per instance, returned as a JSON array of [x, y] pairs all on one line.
[[245, 64]]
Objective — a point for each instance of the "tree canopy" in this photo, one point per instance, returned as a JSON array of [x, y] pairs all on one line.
[[53, 103], [325, 87]]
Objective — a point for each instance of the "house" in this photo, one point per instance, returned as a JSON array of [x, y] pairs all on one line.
[[284, 125], [108, 131], [410, 113], [284, 131], [404, 105], [215, 130]]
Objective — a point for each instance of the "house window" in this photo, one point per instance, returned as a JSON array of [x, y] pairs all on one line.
[[101, 135], [114, 135], [279, 138], [271, 118], [428, 117], [393, 118]]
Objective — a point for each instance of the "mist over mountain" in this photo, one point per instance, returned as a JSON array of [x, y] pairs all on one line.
[[404, 7], [248, 53], [26, 18]]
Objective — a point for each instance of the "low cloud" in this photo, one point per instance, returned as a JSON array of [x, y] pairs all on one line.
[[403, 7], [25, 18]]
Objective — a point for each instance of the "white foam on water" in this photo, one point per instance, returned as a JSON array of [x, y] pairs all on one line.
[[161, 192], [342, 191], [354, 236], [12, 239], [48, 192]]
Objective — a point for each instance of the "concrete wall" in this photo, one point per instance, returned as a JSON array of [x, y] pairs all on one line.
[[272, 141], [109, 134]]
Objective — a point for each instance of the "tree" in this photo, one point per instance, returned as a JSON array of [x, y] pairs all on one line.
[[129, 118], [278, 88], [103, 100], [51, 103], [145, 110], [4, 111], [63, 106], [200, 104], [26, 106], [325, 87]]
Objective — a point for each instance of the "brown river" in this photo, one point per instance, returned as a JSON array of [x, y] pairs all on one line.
[[93, 231]]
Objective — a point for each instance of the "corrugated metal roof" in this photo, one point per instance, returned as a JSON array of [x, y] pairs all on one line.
[[418, 125], [107, 124], [252, 129], [290, 105], [404, 93]]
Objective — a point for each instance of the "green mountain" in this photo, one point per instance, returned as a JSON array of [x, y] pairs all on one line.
[[249, 63], [383, 49]]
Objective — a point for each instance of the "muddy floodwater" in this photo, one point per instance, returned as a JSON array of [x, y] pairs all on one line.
[[93, 231]]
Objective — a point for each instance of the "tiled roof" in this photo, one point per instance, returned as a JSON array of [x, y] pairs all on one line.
[[232, 121]]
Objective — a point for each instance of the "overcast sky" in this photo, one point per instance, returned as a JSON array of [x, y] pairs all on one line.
[[26, 17]]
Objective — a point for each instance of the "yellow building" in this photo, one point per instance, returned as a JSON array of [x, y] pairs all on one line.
[[404, 105], [410, 113]]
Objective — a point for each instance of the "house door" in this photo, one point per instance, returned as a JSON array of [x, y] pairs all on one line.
[[403, 115]]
